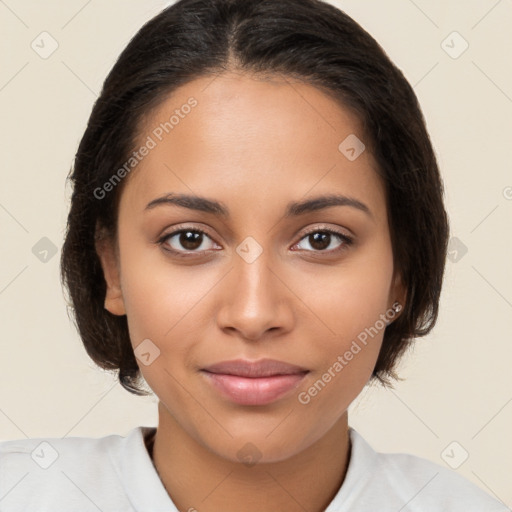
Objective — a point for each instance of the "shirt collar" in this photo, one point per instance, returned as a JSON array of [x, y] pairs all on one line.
[[139, 477]]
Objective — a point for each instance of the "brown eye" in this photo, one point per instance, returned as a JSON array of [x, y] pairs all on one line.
[[183, 240], [321, 239], [190, 240]]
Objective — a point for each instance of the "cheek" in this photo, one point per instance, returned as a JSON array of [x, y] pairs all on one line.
[[350, 306], [163, 304], [157, 294], [344, 360], [349, 298]]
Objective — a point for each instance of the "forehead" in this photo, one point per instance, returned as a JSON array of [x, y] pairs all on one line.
[[245, 137]]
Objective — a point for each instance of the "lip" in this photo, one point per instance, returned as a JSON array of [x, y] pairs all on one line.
[[254, 382]]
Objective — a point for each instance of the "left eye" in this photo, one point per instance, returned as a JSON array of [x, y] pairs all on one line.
[[320, 240]]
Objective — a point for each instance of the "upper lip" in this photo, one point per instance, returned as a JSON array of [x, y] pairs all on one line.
[[261, 368]]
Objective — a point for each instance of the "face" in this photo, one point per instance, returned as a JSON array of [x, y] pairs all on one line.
[[246, 276]]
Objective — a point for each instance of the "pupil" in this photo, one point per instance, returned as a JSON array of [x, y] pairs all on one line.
[[189, 239], [320, 240]]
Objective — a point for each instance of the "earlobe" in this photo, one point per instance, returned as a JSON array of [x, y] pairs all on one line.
[[105, 249], [398, 295]]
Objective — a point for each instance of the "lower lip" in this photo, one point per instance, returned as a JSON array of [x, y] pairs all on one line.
[[254, 391]]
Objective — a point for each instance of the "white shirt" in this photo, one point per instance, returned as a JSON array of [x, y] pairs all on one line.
[[115, 473]]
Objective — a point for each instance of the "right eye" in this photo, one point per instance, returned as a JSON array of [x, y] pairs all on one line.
[[185, 240]]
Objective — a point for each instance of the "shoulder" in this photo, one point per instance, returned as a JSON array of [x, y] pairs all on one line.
[[74, 472], [433, 485], [407, 480], [48, 453]]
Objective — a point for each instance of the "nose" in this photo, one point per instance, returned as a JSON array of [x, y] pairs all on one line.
[[255, 300]]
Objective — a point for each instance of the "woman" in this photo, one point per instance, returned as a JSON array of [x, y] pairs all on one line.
[[257, 230]]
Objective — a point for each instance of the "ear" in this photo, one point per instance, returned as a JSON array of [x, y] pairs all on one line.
[[106, 250], [397, 293]]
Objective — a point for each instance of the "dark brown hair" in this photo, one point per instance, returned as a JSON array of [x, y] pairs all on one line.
[[308, 40]]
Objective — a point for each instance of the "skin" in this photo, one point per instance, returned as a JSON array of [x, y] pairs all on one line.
[[254, 145]]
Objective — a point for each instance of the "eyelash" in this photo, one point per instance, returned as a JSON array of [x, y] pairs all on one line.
[[347, 241]]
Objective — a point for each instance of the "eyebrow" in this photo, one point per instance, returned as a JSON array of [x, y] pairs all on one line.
[[293, 209]]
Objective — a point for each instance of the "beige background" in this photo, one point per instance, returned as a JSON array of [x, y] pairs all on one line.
[[458, 380]]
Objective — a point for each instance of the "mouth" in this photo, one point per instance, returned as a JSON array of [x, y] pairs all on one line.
[[254, 383]]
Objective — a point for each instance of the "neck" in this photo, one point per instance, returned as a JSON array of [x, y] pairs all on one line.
[[197, 479]]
